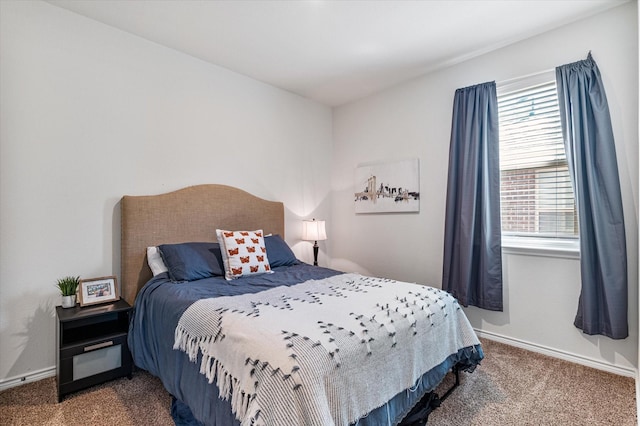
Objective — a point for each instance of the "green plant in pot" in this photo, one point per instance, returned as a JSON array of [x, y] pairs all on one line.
[[68, 287]]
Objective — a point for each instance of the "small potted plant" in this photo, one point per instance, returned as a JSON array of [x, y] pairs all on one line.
[[68, 287]]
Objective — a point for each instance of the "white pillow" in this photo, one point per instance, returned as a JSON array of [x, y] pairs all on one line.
[[154, 259], [243, 253]]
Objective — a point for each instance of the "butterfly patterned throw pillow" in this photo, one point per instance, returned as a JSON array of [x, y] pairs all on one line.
[[243, 253]]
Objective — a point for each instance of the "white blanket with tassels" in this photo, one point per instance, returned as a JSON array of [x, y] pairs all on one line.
[[322, 352]]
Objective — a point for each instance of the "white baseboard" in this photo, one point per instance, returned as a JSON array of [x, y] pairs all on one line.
[[556, 353], [33, 376]]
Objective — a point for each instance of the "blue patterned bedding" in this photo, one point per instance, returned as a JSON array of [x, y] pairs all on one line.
[[160, 305]]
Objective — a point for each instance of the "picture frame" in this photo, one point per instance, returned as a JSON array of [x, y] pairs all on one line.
[[94, 291]]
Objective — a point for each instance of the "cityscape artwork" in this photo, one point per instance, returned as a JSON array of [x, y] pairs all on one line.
[[388, 187]]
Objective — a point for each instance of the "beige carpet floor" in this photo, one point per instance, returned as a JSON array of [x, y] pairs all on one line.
[[511, 387]]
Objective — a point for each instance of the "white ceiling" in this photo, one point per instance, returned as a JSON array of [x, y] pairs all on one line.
[[335, 51]]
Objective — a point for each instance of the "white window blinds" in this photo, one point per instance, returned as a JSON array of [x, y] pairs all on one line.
[[535, 194]]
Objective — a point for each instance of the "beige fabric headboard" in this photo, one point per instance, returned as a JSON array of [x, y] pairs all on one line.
[[186, 215]]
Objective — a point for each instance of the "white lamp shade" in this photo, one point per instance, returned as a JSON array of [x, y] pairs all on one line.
[[313, 230]]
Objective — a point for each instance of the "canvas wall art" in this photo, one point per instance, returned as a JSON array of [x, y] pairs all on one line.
[[388, 187]]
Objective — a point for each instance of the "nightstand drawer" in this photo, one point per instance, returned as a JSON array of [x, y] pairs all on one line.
[[93, 358]]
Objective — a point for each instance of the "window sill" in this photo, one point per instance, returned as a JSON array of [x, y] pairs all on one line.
[[528, 246]]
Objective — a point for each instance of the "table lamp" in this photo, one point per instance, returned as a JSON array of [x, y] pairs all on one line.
[[313, 230]]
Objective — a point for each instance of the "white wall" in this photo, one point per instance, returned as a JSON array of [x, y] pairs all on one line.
[[88, 114], [414, 120]]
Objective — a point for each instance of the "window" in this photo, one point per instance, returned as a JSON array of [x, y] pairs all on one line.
[[535, 191]]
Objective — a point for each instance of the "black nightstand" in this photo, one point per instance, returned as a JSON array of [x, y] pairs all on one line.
[[91, 345]]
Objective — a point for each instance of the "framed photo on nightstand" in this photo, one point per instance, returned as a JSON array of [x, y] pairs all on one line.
[[98, 290]]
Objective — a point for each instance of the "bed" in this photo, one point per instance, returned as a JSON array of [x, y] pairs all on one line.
[[289, 344]]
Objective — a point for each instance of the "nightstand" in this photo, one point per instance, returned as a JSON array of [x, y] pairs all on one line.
[[91, 345]]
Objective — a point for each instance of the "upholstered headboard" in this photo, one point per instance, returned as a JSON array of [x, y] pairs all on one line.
[[185, 215]]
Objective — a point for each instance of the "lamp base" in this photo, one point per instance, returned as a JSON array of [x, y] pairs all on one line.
[[315, 253]]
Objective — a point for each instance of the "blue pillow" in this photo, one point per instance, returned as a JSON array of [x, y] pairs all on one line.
[[192, 261], [278, 252]]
